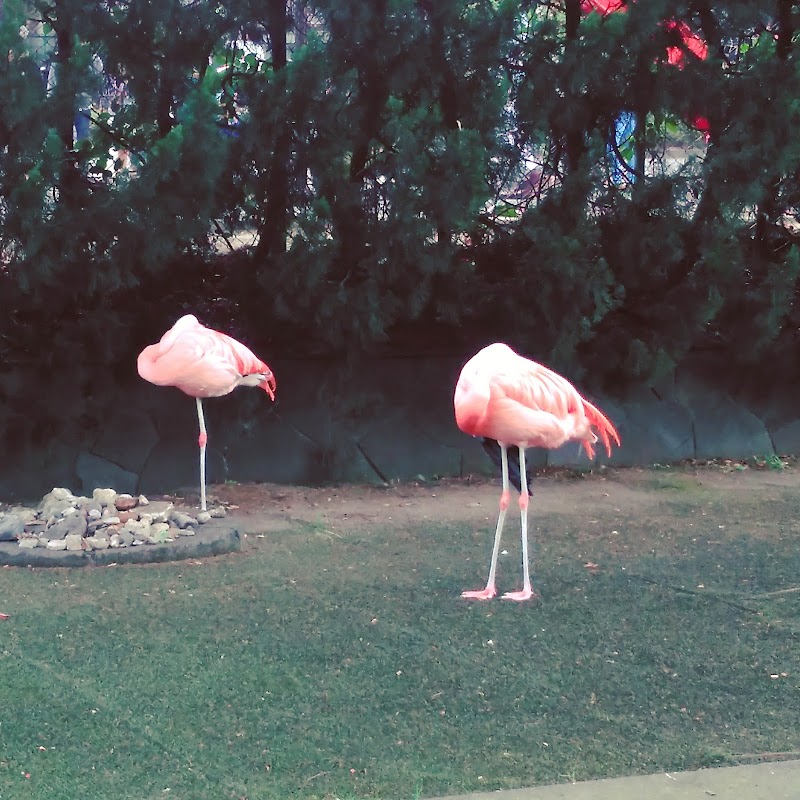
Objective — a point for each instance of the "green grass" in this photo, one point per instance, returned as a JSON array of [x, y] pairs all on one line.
[[316, 666]]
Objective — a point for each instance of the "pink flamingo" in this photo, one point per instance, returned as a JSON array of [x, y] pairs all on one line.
[[504, 397], [202, 363]]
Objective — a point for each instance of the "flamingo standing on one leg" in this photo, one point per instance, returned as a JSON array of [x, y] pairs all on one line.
[[516, 402], [202, 363]]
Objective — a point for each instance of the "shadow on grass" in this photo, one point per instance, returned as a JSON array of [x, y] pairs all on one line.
[[338, 667]]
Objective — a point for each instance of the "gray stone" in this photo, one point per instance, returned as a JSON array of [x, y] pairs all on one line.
[[29, 542], [159, 528], [56, 502], [98, 542], [36, 526], [57, 544], [105, 497], [28, 514], [71, 525], [126, 538], [11, 527], [94, 525], [73, 541], [136, 526], [160, 510], [95, 471], [188, 531], [203, 517], [93, 509], [60, 493], [159, 533], [182, 520], [218, 512]]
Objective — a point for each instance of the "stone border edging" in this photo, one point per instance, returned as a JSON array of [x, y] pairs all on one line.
[[213, 539]]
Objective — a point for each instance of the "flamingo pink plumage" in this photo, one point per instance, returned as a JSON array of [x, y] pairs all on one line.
[[202, 362], [502, 396]]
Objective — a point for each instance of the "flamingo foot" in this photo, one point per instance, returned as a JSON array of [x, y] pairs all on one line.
[[524, 594], [482, 594]]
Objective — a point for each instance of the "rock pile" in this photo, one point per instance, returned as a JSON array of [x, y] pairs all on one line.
[[106, 519]]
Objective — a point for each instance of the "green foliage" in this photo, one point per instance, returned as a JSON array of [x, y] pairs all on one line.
[[354, 176]]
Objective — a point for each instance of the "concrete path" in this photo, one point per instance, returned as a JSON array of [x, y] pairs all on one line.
[[774, 781]]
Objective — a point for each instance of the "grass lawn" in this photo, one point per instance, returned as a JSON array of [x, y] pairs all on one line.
[[319, 665]]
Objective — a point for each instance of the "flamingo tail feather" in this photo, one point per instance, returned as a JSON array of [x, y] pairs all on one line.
[[604, 428]]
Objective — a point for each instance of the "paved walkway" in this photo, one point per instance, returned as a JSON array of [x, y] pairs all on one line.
[[774, 781]]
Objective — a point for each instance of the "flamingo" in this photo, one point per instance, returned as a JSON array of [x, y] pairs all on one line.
[[518, 403], [202, 362]]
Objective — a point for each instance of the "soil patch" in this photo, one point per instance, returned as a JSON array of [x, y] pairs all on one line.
[[625, 508]]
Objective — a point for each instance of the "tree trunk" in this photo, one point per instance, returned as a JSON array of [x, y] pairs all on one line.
[[574, 139], [272, 236]]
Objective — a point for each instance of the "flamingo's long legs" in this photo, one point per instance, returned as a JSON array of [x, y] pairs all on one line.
[[202, 442], [527, 592], [490, 591]]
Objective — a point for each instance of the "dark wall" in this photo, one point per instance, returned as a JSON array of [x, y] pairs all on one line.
[[392, 419]]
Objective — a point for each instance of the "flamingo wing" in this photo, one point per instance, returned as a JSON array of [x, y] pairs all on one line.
[[555, 407], [501, 395], [251, 369], [202, 362]]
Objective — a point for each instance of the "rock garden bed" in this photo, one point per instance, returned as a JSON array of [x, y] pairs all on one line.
[[68, 530]]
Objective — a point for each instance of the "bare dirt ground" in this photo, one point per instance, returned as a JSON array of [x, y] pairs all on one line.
[[625, 508]]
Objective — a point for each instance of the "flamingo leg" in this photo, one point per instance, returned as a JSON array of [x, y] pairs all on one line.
[[490, 591], [527, 592], [202, 442]]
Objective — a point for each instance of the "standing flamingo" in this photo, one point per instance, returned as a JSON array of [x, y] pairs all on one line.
[[518, 403], [202, 363]]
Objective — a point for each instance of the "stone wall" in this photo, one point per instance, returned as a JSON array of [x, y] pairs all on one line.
[[392, 421]]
